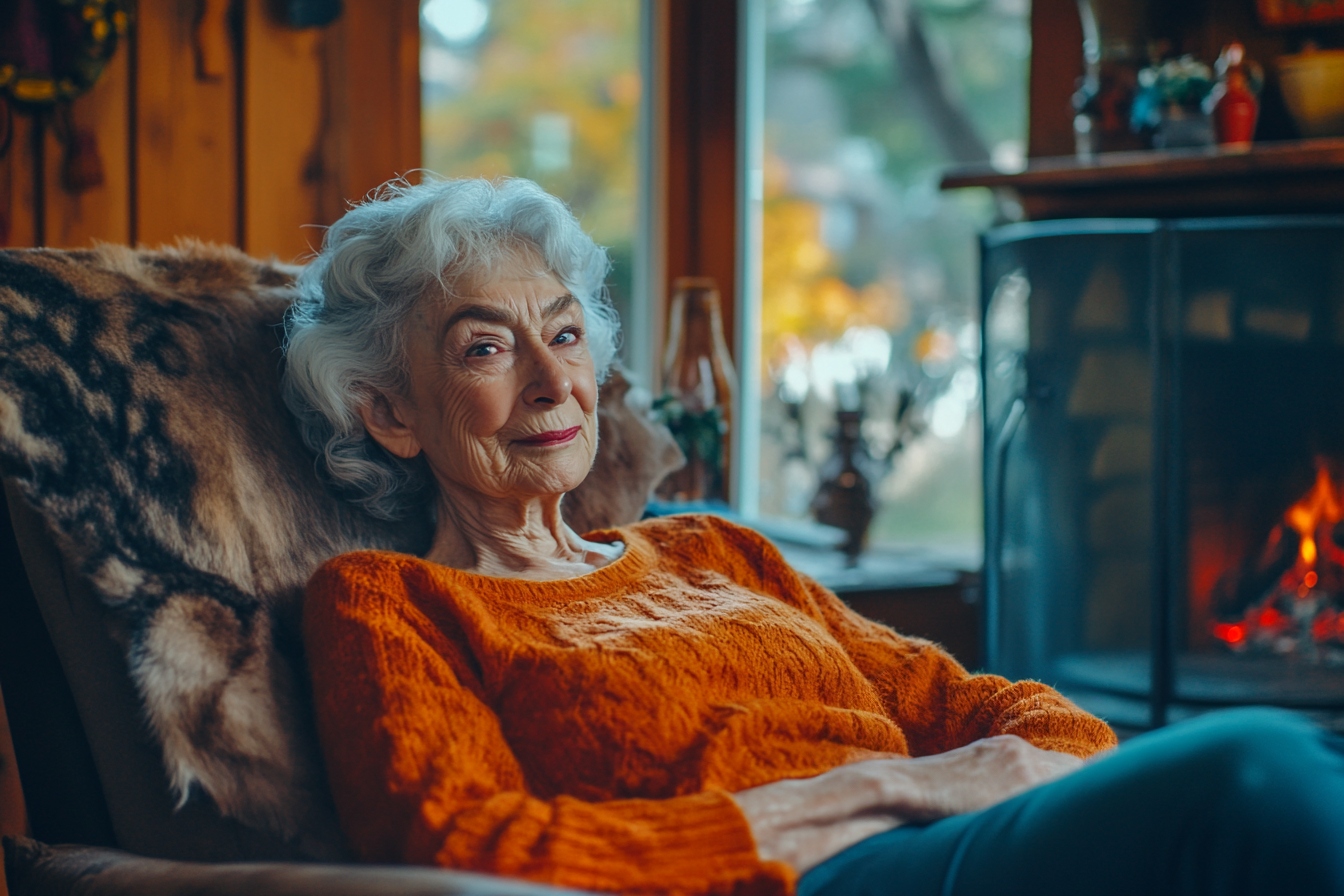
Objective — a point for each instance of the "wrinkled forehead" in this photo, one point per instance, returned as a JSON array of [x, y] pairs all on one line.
[[513, 292], [510, 260]]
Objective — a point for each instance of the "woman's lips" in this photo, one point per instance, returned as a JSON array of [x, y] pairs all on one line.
[[554, 437]]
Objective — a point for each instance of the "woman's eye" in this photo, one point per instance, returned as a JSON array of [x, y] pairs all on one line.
[[484, 350], [567, 337]]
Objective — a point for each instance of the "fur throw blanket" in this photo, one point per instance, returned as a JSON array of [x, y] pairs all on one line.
[[140, 415]]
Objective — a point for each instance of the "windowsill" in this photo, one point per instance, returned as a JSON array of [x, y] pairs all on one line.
[[883, 567], [812, 549]]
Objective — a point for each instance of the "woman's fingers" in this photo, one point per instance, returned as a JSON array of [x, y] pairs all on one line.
[[982, 774], [803, 822], [808, 846]]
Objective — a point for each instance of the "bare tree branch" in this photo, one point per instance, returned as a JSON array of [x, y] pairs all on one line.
[[903, 25]]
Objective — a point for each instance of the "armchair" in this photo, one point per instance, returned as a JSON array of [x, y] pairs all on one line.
[[168, 515]]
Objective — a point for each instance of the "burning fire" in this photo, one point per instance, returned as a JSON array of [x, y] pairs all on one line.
[[1317, 509], [1303, 568]]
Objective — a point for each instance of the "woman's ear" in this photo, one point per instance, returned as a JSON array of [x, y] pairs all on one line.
[[386, 422]]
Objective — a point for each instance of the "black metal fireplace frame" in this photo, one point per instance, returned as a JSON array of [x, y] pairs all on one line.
[[1169, 533]]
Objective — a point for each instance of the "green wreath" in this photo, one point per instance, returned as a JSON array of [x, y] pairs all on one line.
[[83, 34]]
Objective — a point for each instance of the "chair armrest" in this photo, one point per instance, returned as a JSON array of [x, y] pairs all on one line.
[[36, 869]]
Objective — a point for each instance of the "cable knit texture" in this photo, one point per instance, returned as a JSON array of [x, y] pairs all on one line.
[[587, 732]]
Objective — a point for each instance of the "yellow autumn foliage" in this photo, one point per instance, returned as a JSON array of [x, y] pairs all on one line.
[[802, 295], [575, 58]]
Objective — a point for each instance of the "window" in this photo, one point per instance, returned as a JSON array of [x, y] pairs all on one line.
[[867, 276], [859, 279], [545, 90]]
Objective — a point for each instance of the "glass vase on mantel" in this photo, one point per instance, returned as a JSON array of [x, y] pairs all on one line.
[[697, 399]]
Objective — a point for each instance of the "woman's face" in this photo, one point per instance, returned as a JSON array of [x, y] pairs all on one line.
[[502, 397]]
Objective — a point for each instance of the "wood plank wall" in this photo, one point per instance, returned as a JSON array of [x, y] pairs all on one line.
[[270, 130], [221, 122]]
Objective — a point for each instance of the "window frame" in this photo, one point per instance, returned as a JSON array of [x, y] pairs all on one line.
[[702, 216]]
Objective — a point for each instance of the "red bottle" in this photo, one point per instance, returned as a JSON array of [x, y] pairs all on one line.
[[1233, 102]]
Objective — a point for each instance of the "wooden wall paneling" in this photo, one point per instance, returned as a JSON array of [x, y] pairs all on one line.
[[406, 84], [1056, 66], [20, 190], [282, 124], [701, 162], [196, 141], [103, 212], [186, 132], [373, 77], [334, 145]]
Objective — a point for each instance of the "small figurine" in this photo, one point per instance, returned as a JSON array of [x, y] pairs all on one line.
[[845, 499], [1169, 103]]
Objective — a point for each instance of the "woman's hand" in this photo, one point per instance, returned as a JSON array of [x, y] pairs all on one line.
[[804, 822], [981, 774]]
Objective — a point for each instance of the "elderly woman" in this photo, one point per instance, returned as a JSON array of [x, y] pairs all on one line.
[[669, 707]]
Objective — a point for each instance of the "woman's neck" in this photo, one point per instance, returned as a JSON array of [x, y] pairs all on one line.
[[523, 538]]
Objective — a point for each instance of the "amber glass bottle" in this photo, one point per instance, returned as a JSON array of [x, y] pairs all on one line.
[[697, 401]]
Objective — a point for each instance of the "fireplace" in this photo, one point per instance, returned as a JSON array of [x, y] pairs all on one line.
[[1164, 462]]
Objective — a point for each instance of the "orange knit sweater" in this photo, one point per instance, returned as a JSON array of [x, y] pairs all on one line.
[[587, 732]]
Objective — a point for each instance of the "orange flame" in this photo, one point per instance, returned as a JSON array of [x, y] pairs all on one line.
[[1315, 579], [1319, 507]]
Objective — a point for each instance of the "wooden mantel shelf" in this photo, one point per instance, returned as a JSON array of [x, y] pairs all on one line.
[[1301, 176]]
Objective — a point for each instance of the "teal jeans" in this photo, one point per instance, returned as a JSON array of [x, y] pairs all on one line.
[[1239, 801]]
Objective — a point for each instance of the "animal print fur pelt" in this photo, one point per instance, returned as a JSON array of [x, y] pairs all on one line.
[[140, 415]]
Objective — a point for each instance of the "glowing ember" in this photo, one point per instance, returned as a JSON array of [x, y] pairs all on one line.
[[1297, 609]]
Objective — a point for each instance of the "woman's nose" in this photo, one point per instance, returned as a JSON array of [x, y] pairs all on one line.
[[550, 383]]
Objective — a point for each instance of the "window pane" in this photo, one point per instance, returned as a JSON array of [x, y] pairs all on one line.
[[543, 89], [869, 273]]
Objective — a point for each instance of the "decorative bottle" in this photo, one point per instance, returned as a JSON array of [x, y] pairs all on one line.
[[1233, 102], [697, 400]]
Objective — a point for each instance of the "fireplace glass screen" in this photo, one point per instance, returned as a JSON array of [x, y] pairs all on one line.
[[1164, 462]]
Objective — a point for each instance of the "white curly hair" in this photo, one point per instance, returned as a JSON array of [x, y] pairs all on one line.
[[343, 333]]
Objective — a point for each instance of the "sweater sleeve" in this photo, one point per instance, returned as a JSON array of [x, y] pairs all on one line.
[[937, 703], [421, 772], [940, 706]]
